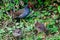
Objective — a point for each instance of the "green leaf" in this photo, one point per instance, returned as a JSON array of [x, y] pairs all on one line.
[[59, 9], [9, 29], [2, 31], [46, 13], [1, 14]]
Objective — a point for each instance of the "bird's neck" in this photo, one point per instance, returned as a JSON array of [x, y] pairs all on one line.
[[27, 7]]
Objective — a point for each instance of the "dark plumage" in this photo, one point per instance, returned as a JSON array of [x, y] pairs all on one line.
[[25, 12], [22, 13], [17, 33], [40, 27]]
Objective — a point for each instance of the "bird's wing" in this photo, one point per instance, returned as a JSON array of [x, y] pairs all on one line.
[[19, 12]]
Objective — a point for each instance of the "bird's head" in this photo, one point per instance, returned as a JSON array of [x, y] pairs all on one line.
[[30, 5]]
